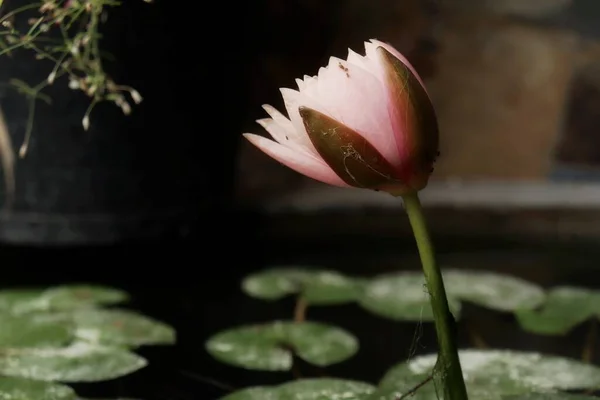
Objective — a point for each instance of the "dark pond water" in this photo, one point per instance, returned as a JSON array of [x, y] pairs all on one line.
[[195, 286]]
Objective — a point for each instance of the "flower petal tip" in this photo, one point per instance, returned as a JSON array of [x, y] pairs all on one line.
[[382, 51], [287, 91], [305, 112]]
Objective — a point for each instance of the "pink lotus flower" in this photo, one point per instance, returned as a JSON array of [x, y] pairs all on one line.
[[364, 122]]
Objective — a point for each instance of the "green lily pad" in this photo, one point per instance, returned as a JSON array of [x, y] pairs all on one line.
[[307, 389], [253, 393], [275, 284], [269, 346], [403, 296], [79, 362], [317, 287], [67, 297], [26, 389], [565, 308], [33, 331], [121, 328], [19, 301], [81, 296], [493, 374], [549, 396], [494, 291]]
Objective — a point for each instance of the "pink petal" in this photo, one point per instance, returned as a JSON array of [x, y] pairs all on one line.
[[356, 59], [276, 131], [371, 48], [305, 83], [280, 119], [365, 63], [293, 101], [300, 162], [284, 136], [284, 131], [357, 99], [311, 86]]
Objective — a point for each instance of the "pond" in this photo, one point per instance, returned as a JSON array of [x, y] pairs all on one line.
[[195, 286]]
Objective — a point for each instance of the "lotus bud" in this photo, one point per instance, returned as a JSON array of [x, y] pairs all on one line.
[[365, 122]]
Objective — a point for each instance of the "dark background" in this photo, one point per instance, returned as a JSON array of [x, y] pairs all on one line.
[[146, 202]]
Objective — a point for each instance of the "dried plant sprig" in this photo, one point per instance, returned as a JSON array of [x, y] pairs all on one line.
[[76, 54]]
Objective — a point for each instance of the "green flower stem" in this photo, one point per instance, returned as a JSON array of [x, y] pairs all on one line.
[[454, 384]]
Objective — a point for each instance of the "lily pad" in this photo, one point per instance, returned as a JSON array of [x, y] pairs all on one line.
[[493, 374], [403, 296], [79, 362], [307, 389], [33, 331], [317, 287], [493, 291], [21, 301], [565, 308], [269, 346], [254, 393], [549, 396], [275, 284], [26, 389], [121, 328], [80, 296]]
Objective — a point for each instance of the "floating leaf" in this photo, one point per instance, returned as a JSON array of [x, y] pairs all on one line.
[[254, 393], [317, 389], [19, 301], [33, 331], [307, 389], [267, 346], [80, 362], [549, 396], [429, 393], [492, 374], [565, 308], [79, 296], [403, 296], [67, 297], [329, 287], [121, 328], [318, 287], [275, 284], [494, 291], [26, 389]]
